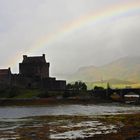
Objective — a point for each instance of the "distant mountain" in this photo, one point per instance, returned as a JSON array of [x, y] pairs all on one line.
[[115, 82], [123, 69]]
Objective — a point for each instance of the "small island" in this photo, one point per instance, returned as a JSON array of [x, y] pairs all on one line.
[[33, 79], [33, 85]]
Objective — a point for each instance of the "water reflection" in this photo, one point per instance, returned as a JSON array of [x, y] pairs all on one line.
[[20, 112]]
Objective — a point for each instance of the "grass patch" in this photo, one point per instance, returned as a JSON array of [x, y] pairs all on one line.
[[16, 92], [91, 85], [27, 93]]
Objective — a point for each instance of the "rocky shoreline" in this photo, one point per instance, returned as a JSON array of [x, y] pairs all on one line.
[[49, 101], [113, 127]]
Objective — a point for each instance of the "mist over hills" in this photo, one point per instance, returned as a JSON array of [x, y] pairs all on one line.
[[122, 70]]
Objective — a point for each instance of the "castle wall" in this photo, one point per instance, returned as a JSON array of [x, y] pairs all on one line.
[[34, 70], [53, 84], [33, 73], [5, 77], [21, 81], [46, 83]]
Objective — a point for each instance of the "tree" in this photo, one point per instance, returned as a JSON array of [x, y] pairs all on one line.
[[108, 86], [69, 86], [78, 85], [98, 88]]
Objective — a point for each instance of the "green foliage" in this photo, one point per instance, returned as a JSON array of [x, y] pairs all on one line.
[[43, 94], [14, 91], [9, 92], [75, 89], [98, 88], [108, 86], [92, 85], [46, 94], [77, 86], [28, 93]]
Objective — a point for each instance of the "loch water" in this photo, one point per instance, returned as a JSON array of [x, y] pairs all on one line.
[[15, 117]]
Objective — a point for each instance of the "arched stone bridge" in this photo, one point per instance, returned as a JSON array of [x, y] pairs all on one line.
[[105, 93]]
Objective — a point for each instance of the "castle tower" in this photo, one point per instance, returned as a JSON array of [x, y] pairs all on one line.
[[34, 67]]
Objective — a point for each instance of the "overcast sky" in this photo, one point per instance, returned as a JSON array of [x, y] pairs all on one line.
[[23, 23]]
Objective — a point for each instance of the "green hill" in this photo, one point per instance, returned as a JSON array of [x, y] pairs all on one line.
[[126, 70]]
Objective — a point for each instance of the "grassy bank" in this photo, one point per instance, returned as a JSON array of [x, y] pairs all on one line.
[[23, 93], [15, 92]]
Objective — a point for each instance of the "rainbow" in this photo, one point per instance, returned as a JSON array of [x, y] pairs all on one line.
[[107, 14]]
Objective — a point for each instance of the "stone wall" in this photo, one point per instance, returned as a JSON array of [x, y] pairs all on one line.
[[34, 70], [33, 73]]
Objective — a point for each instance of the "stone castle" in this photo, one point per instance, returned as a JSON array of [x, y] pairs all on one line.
[[33, 73]]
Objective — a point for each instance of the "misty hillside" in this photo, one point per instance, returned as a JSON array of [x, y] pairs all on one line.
[[124, 69]]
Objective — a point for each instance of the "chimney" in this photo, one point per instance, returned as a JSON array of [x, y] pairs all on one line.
[[24, 57], [43, 55], [9, 70]]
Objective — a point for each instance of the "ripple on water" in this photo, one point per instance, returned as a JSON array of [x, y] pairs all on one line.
[[107, 109]]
